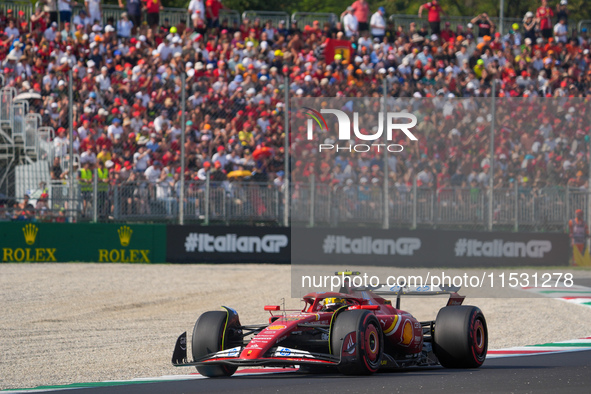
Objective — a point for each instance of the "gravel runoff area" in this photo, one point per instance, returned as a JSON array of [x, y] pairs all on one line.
[[67, 323]]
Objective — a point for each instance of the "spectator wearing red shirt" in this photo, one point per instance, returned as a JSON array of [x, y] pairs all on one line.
[[544, 15], [361, 12], [448, 34], [104, 141], [38, 20], [153, 8], [212, 12], [87, 144], [434, 16]]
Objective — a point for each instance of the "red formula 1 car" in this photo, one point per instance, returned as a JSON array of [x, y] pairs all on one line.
[[356, 331]]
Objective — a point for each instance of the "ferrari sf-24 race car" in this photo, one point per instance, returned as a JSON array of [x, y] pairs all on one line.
[[355, 330]]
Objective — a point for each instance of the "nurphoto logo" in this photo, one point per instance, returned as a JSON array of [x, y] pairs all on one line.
[[392, 122]]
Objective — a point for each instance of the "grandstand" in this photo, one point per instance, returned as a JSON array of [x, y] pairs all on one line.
[[126, 112]]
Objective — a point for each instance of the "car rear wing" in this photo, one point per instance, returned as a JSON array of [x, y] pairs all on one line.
[[398, 291], [424, 290]]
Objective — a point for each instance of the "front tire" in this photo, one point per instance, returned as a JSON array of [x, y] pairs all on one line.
[[356, 336], [460, 337], [208, 336]]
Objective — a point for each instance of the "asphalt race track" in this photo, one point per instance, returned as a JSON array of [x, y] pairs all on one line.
[[568, 372]]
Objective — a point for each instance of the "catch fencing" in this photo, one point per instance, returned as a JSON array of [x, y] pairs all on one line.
[[264, 16], [112, 13], [312, 205], [308, 18], [514, 209], [406, 19]]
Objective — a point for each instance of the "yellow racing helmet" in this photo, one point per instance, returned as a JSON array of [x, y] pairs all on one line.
[[334, 302]]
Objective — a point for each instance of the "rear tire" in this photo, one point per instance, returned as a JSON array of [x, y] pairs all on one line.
[[460, 337], [207, 338], [356, 337]]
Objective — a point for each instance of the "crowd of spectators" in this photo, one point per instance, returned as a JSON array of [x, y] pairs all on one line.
[[127, 88]]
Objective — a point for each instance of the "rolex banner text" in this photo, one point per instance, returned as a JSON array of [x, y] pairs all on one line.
[[62, 242]]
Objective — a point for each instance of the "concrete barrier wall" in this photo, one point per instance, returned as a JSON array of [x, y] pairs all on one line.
[[158, 243]]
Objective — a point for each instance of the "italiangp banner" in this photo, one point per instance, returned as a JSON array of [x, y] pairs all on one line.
[[504, 249], [427, 248], [205, 244], [64, 242]]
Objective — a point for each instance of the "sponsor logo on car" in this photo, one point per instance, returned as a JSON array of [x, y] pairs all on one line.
[[233, 352], [407, 333], [285, 352], [350, 344]]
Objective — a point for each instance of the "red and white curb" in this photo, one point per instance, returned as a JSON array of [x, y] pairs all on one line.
[[574, 345], [575, 294]]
